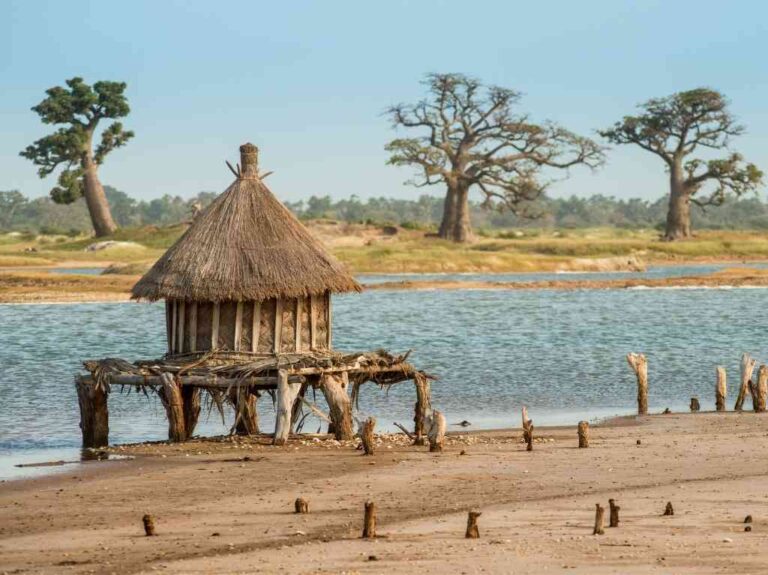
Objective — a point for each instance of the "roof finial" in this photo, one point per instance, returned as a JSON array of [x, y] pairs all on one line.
[[249, 161]]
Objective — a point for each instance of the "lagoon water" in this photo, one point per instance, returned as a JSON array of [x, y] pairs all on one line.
[[561, 353]]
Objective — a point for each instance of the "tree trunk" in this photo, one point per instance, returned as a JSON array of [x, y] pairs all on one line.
[[462, 227], [449, 214], [679, 212], [96, 200]]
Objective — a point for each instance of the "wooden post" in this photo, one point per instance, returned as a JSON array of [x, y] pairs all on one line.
[[238, 325], [286, 395], [599, 512], [369, 520], [180, 332], [340, 407], [760, 389], [747, 367], [190, 397], [170, 395], [435, 423], [423, 404], [472, 532], [669, 510], [527, 430], [278, 340], [583, 431], [215, 325], [94, 413], [246, 415], [301, 505], [149, 525], [614, 517], [695, 405], [721, 389], [193, 327], [255, 326], [639, 364], [367, 436]]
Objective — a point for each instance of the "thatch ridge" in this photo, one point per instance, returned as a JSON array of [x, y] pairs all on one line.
[[245, 246]]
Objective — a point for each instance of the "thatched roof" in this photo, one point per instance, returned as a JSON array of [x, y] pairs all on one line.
[[245, 246]]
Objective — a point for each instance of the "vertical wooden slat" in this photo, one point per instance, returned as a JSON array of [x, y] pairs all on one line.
[[278, 325], [329, 318], [312, 322], [173, 327], [238, 325], [180, 334], [193, 327], [297, 331], [169, 323], [215, 326], [256, 329]]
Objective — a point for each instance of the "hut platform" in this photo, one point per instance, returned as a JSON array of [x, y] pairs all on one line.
[[239, 379]]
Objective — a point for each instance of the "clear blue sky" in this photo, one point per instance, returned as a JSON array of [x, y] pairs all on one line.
[[307, 81]]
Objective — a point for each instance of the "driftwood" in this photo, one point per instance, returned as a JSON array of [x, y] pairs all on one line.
[[747, 367], [301, 505], [695, 405], [669, 510], [149, 525], [599, 512], [334, 389], [422, 407], [435, 427], [614, 510], [404, 430], [366, 434], [759, 390], [170, 395], [639, 364], [527, 430], [583, 431], [369, 520], [286, 395], [721, 389], [94, 414], [472, 530]]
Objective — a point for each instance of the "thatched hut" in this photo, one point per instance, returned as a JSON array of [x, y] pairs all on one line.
[[247, 293]]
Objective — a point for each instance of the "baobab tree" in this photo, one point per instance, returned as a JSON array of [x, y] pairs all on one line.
[[473, 138], [79, 108], [674, 128]]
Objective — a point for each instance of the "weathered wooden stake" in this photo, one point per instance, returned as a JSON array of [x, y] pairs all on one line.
[[669, 510], [94, 413], [527, 430], [286, 395], [423, 405], [583, 431], [599, 512], [339, 405], [695, 405], [369, 521], [614, 517], [190, 397], [472, 530], [747, 367], [170, 395], [149, 525], [435, 424], [366, 434], [639, 364], [246, 414], [760, 389], [301, 505], [721, 389]]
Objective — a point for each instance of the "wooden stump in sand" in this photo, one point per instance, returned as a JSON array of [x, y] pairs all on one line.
[[435, 423], [583, 434], [639, 364], [695, 405], [760, 389], [94, 415], [369, 520], [473, 532], [366, 435], [334, 389], [286, 395], [423, 405], [599, 512], [747, 367], [149, 525], [170, 395], [721, 389], [669, 510], [527, 430], [301, 505], [614, 516]]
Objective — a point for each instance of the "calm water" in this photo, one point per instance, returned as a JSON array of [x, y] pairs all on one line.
[[559, 352]]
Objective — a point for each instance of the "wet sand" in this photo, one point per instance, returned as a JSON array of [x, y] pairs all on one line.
[[226, 507]]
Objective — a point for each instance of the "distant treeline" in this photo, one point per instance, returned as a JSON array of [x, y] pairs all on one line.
[[19, 213]]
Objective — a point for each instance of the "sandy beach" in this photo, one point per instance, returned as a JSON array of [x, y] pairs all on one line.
[[227, 507]]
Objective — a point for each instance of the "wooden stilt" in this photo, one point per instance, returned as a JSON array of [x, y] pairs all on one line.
[[472, 532], [286, 395], [246, 415], [583, 431], [639, 364], [747, 367], [190, 396], [301, 505], [760, 389], [94, 413], [527, 430], [695, 405], [170, 395], [149, 525], [423, 405], [599, 512], [298, 408], [435, 424], [334, 389], [369, 520], [614, 517], [366, 435], [721, 389]]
